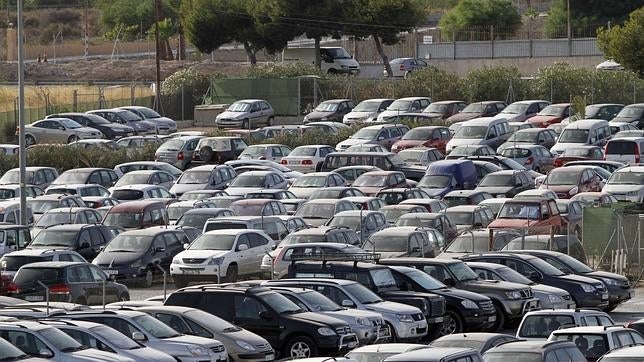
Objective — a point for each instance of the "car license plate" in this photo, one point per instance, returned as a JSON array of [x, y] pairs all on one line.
[[294, 162], [269, 357], [491, 319], [190, 271], [111, 272], [34, 298], [438, 320]]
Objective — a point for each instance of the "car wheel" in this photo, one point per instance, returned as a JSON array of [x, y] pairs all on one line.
[[71, 139], [452, 323], [149, 278], [500, 318], [29, 140], [332, 71], [81, 300], [231, 273], [392, 332], [245, 124], [301, 347], [124, 297], [270, 121], [180, 282], [407, 74]]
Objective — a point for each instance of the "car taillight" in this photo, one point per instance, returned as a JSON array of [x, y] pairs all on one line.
[[279, 256], [529, 161], [17, 131], [194, 155], [558, 162], [9, 286], [180, 156], [59, 289], [307, 162], [402, 67], [284, 162]]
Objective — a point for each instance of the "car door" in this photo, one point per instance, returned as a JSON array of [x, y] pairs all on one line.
[[251, 314], [256, 115], [275, 154], [259, 246], [99, 278], [244, 254]]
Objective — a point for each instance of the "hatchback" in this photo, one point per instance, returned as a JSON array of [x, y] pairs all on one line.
[[164, 125], [271, 152], [532, 157], [318, 211], [477, 109], [366, 111], [305, 185], [128, 118], [306, 158], [38, 176], [522, 110], [204, 177], [151, 177], [218, 150], [86, 239], [177, 151], [330, 110], [384, 134], [402, 106], [569, 181], [530, 136], [109, 129], [420, 156]]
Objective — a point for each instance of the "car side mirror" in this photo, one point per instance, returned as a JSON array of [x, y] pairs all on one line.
[[449, 282], [380, 138], [242, 247], [61, 128], [84, 245], [159, 249], [45, 353], [138, 336], [347, 303], [265, 315], [274, 246], [186, 246]]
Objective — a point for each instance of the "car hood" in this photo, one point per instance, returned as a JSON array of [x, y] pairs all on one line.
[[460, 117], [387, 114], [319, 115], [232, 115], [303, 192], [118, 258], [559, 188], [409, 143], [436, 115], [164, 120], [244, 335], [578, 279], [606, 275], [91, 354], [318, 318], [354, 115], [391, 307], [179, 189], [496, 285], [463, 142], [546, 289], [350, 142], [196, 340], [511, 223], [149, 354], [200, 254], [315, 221], [118, 127], [460, 293], [89, 130], [511, 117], [622, 188], [241, 191], [541, 119]]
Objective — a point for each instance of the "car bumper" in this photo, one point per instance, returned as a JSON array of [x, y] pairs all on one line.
[[255, 357], [337, 344], [618, 295], [126, 274], [478, 319], [302, 168], [517, 308], [371, 334], [195, 273], [229, 123], [409, 331], [592, 300]]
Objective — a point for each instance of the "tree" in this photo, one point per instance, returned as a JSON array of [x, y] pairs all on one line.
[[134, 18], [469, 14], [625, 43], [586, 13], [384, 21]]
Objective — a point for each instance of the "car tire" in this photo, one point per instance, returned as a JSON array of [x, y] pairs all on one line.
[[500, 318], [270, 121], [29, 140], [300, 347], [180, 281], [72, 138], [124, 297], [232, 273], [578, 232], [452, 323], [392, 332]]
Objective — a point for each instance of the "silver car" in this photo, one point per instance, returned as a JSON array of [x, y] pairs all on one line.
[[164, 125], [240, 344], [177, 151], [533, 157], [245, 114]]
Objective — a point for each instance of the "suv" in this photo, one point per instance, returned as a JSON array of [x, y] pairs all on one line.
[[539, 324], [221, 254], [401, 241], [151, 332], [535, 351], [379, 279], [511, 301], [134, 256], [405, 322], [596, 341], [74, 282], [585, 291], [11, 262], [288, 328], [86, 239]]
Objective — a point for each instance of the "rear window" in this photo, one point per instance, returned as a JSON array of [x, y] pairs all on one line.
[[224, 226], [540, 326], [29, 276], [13, 263], [127, 194], [621, 147]]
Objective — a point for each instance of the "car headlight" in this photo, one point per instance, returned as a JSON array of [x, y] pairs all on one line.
[[513, 295], [587, 288], [554, 298], [394, 147], [632, 193], [468, 304], [404, 317], [574, 190], [216, 261], [196, 351], [177, 260], [362, 321], [609, 281], [324, 331], [244, 345]]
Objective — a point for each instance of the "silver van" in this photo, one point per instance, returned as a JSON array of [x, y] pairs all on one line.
[[489, 131], [586, 132]]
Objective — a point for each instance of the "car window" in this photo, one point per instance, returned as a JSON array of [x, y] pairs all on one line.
[[174, 322], [256, 240], [119, 324], [247, 308], [624, 339], [27, 342]]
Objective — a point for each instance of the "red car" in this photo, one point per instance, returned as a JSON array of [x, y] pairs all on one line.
[[430, 136], [538, 216], [569, 181], [552, 114], [580, 153]]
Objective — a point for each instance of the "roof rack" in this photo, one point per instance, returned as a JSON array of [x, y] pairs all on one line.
[[324, 257]]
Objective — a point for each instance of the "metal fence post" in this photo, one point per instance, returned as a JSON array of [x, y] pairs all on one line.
[[492, 41], [183, 97], [165, 280], [104, 281], [132, 94]]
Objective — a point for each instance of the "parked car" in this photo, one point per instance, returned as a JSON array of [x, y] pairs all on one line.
[[628, 150], [383, 134], [151, 177], [401, 106], [476, 110], [633, 113], [477, 241], [36, 175], [370, 183], [57, 130], [623, 354], [393, 212], [164, 125], [204, 177], [403, 67], [605, 111], [364, 223], [124, 117], [126, 167], [616, 127], [61, 216], [530, 136], [444, 109], [330, 110], [256, 180], [534, 350], [218, 150], [535, 216], [590, 132], [305, 185], [317, 212], [139, 192], [271, 152], [444, 176], [90, 175], [522, 110], [177, 151], [489, 131], [569, 181], [627, 184], [579, 153], [245, 114], [420, 156], [306, 158], [552, 114], [505, 183], [337, 192], [437, 354], [400, 241], [467, 217], [538, 325], [86, 239], [137, 214], [108, 129], [478, 341], [595, 341], [380, 352], [366, 111], [532, 157], [465, 197], [397, 195], [438, 221]]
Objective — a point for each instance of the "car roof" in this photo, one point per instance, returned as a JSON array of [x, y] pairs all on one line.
[[531, 346], [463, 208], [408, 260], [309, 280], [476, 336], [586, 123], [590, 329], [434, 354], [40, 252], [397, 231], [53, 264], [630, 351]]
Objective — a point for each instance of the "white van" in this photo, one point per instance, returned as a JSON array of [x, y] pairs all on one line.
[[586, 132], [489, 131], [333, 60], [627, 149]]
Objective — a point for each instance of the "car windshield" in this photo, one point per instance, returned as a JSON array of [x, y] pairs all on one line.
[[573, 136], [327, 107], [436, 108], [627, 178], [199, 316], [171, 145], [367, 106], [213, 242], [54, 218], [631, 111], [563, 177], [74, 177], [68, 123], [516, 108], [471, 132], [465, 242], [424, 280], [129, 116], [194, 177], [362, 294], [129, 243], [319, 302], [435, 181], [279, 303], [132, 179], [418, 134], [239, 107], [8, 352], [474, 108], [463, 151], [366, 134], [352, 222], [511, 275], [371, 181], [514, 356], [115, 337], [316, 210], [541, 325], [528, 137], [304, 151], [194, 220], [399, 105], [148, 113], [462, 272], [574, 264], [60, 340], [460, 217], [13, 177], [516, 210], [552, 110], [492, 180], [175, 212], [310, 181], [411, 155], [155, 327], [55, 238], [337, 53], [248, 181], [387, 243]]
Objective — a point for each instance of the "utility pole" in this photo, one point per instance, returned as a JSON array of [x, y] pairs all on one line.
[[86, 38], [157, 93], [21, 118]]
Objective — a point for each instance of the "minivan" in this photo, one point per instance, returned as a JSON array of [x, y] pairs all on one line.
[[627, 149], [481, 131], [589, 132]]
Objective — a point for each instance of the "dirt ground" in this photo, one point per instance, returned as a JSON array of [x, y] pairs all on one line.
[[110, 71]]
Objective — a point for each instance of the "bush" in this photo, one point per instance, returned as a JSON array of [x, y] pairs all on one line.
[[283, 70], [431, 82], [493, 83], [313, 137], [561, 82]]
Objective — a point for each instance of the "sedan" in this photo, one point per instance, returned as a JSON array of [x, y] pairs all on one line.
[[306, 158], [58, 130], [331, 110], [245, 114]]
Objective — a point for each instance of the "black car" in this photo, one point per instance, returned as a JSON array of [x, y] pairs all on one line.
[[587, 292], [331, 110], [505, 163], [85, 239], [465, 311], [506, 183], [133, 256], [619, 288], [290, 330], [109, 129], [511, 301], [67, 281], [381, 281]]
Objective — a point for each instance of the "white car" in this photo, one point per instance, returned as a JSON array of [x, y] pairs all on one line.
[[595, 341], [271, 152], [306, 158], [220, 255], [627, 184], [366, 111]]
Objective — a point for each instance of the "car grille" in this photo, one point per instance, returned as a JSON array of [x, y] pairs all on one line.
[[626, 285], [527, 293], [343, 330], [193, 260], [264, 347], [376, 322], [487, 306], [418, 316], [421, 330], [438, 307], [218, 349]]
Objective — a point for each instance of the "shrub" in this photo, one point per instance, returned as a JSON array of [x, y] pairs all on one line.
[[493, 83], [432, 82], [283, 70]]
